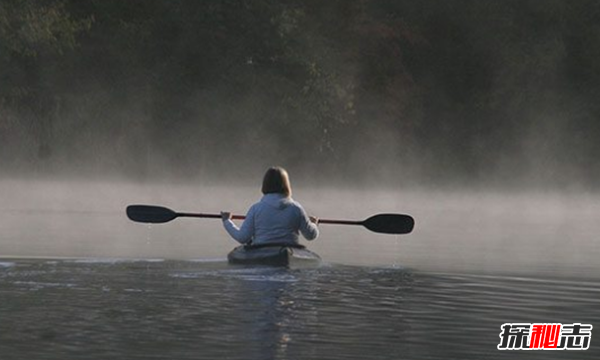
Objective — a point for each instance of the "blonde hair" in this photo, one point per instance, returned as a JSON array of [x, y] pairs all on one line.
[[277, 181]]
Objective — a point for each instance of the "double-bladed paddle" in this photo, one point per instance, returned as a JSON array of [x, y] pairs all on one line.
[[381, 223]]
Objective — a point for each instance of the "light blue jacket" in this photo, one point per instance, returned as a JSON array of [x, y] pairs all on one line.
[[274, 219]]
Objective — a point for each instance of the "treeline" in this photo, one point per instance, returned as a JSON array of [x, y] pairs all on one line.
[[435, 91]]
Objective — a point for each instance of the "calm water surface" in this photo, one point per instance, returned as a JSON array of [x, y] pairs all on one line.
[[206, 309], [408, 297]]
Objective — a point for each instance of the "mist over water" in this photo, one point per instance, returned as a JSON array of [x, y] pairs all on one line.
[[527, 233], [477, 118]]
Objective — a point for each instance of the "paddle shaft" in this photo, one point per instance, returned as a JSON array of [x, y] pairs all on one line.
[[209, 216], [340, 222], [242, 217]]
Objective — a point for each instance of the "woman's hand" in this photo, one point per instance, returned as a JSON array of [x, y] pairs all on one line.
[[225, 215], [314, 220]]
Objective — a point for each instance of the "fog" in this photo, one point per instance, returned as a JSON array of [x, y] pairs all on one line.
[[478, 119], [514, 233]]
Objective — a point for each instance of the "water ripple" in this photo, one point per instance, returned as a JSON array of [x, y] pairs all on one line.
[[208, 310]]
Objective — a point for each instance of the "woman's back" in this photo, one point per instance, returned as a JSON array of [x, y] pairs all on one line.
[[276, 218], [280, 219]]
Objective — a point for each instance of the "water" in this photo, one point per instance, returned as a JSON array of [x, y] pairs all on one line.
[[164, 309], [475, 261]]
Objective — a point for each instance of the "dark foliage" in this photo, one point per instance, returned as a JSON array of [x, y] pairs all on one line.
[[439, 91]]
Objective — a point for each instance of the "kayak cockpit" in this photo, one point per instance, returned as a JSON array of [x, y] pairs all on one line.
[[290, 255]]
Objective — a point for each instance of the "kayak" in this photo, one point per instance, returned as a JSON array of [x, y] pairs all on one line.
[[274, 255]]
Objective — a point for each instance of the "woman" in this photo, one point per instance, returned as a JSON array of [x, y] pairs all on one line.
[[276, 218]]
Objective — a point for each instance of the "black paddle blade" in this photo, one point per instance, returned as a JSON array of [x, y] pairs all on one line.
[[150, 214], [390, 223]]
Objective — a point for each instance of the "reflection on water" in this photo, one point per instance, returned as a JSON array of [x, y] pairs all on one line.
[[95, 309]]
